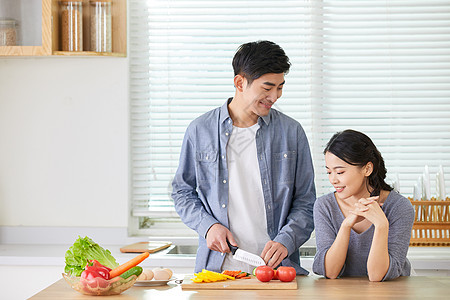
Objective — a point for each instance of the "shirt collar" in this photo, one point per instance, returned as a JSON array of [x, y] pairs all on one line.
[[266, 119], [224, 114]]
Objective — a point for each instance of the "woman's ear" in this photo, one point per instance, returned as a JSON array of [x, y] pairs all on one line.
[[239, 82], [368, 169]]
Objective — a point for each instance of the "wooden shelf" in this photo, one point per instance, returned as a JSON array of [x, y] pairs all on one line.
[[88, 53], [51, 33]]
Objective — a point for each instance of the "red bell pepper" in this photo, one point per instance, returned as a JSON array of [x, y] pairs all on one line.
[[95, 269]]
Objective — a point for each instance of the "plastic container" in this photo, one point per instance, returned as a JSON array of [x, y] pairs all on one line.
[[71, 15], [8, 32], [101, 37]]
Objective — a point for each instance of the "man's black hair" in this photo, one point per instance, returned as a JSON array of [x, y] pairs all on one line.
[[254, 59]]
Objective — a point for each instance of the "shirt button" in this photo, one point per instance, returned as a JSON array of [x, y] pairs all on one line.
[[223, 205], [229, 121], [265, 181], [285, 155], [226, 133], [221, 253], [224, 181], [223, 156], [268, 206]]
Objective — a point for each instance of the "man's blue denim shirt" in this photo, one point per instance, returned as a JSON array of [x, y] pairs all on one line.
[[200, 186]]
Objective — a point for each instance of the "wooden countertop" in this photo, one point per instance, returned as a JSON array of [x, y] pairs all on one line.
[[309, 287]]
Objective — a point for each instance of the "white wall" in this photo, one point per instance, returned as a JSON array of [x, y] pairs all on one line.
[[64, 141]]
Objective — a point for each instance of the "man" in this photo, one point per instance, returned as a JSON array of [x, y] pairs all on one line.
[[245, 173]]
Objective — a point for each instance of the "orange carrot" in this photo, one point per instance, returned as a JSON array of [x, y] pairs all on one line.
[[128, 265], [242, 275], [231, 273]]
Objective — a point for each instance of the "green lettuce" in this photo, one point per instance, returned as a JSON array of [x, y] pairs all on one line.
[[85, 249]]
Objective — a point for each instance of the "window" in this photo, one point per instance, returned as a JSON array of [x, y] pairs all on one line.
[[381, 67]]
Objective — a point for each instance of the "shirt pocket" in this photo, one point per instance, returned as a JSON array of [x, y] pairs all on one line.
[[284, 166], [206, 165]]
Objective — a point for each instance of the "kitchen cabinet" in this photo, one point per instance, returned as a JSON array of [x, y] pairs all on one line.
[[39, 26]]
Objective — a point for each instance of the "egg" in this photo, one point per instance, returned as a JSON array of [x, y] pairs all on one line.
[[169, 271], [161, 274], [157, 269], [142, 276], [148, 273]]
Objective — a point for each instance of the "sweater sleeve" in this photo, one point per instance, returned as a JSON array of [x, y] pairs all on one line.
[[325, 234], [401, 220]]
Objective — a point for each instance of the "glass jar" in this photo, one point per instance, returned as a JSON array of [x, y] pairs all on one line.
[[101, 39], [8, 32], [71, 14]]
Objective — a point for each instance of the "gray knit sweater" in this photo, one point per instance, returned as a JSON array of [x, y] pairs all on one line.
[[328, 219]]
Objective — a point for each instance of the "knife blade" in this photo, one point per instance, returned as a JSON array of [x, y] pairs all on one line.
[[246, 257]]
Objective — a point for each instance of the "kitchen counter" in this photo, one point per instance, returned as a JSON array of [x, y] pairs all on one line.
[[421, 258], [40, 253], [46, 246], [309, 287], [45, 263]]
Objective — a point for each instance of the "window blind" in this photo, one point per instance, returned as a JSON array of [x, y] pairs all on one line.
[[384, 69], [181, 54], [381, 67]]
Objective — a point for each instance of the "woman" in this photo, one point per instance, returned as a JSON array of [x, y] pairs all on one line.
[[364, 227]]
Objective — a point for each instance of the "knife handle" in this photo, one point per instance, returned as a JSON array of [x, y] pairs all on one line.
[[232, 248]]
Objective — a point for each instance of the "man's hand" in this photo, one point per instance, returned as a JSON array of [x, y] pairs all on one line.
[[216, 238], [273, 253]]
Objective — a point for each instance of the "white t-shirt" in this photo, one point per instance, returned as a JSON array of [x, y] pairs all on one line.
[[246, 209]]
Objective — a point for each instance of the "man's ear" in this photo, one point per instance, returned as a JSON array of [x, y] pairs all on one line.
[[239, 81], [368, 168]]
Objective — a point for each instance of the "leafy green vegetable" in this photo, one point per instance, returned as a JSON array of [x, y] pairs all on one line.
[[85, 249]]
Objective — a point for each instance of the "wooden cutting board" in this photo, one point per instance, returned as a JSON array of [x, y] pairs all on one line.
[[238, 284], [141, 247]]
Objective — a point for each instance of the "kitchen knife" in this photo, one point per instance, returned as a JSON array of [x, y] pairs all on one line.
[[247, 257]]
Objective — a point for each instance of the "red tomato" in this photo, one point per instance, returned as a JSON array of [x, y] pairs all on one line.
[[264, 273], [286, 274]]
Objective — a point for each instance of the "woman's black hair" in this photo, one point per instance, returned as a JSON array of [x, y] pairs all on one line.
[[357, 149], [254, 59]]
